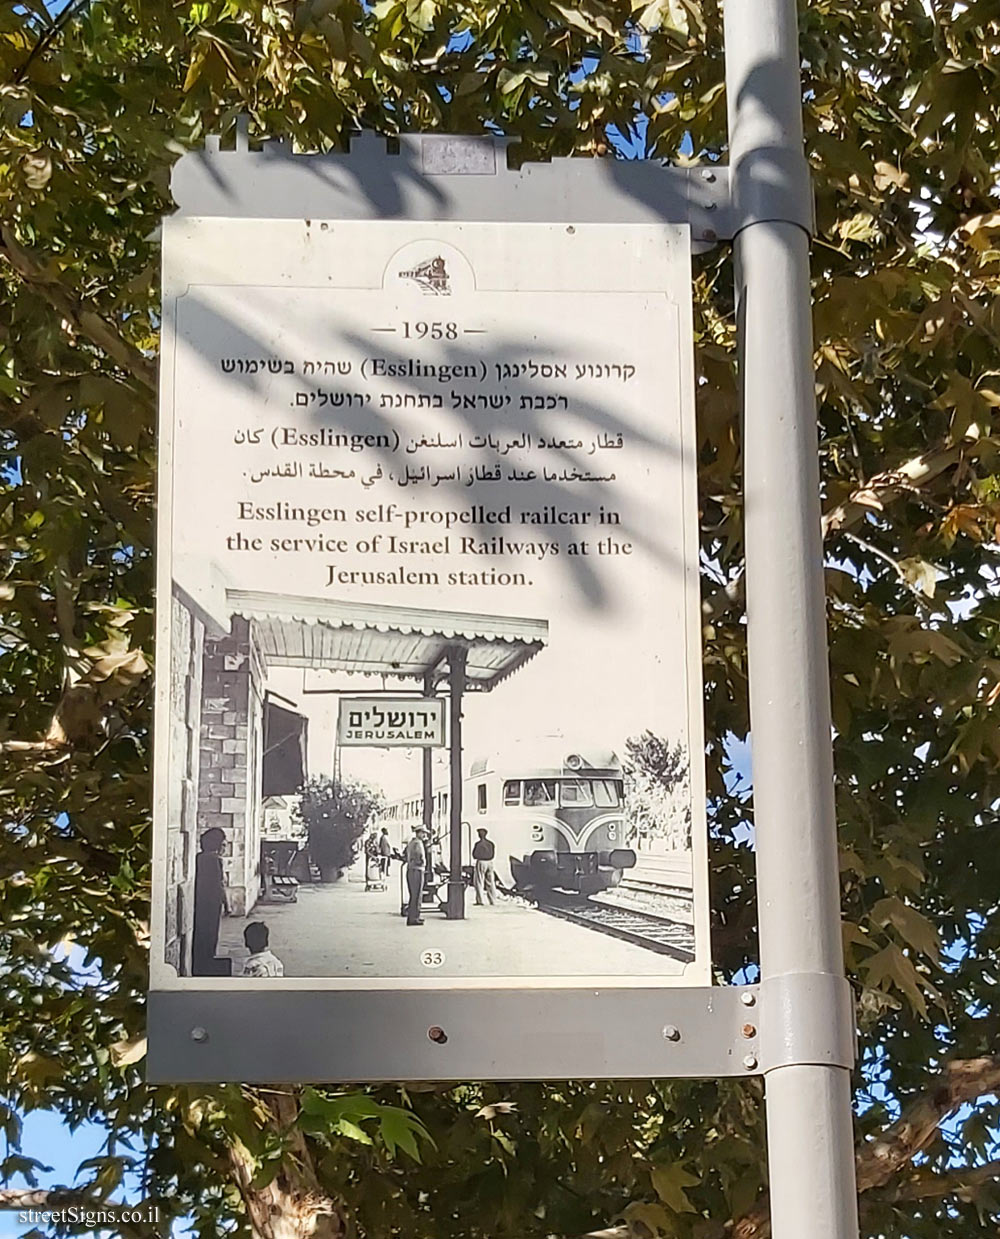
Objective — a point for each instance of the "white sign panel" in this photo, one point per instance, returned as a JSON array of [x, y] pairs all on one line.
[[390, 723], [449, 460]]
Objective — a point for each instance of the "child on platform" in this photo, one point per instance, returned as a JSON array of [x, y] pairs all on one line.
[[261, 962]]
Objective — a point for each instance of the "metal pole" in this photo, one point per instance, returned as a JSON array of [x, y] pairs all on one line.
[[809, 1121]]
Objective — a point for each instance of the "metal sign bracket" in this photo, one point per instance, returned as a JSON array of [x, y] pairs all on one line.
[[449, 177]]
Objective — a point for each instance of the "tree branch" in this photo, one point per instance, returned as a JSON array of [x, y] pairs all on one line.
[[85, 321], [46, 745], [960, 1081], [293, 1204], [890, 484], [58, 1198], [884, 488], [48, 38], [933, 1186], [879, 1160]]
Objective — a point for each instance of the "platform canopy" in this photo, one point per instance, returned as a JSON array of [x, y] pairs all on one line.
[[396, 642]]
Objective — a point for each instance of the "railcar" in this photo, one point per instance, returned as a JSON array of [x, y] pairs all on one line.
[[555, 814]]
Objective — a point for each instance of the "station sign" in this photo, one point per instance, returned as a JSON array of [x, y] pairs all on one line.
[[378, 722]]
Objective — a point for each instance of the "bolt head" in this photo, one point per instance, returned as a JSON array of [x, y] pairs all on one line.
[[747, 998], [708, 175], [437, 1034], [750, 1062], [199, 1034], [671, 1033], [749, 1031]]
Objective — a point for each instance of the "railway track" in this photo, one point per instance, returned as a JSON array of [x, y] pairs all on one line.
[[648, 887], [660, 933]]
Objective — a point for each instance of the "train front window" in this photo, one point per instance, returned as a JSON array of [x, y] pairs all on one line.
[[607, 793], [586, 793], [512, 792], [539, 791], [576, 793]]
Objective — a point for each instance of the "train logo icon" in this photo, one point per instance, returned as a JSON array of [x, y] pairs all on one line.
[[431, 276]]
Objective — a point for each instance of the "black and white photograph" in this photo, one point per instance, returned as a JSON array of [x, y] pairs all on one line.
[[429, 683]]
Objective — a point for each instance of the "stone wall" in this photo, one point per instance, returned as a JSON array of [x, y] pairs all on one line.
[[186, 648], [231, 752]]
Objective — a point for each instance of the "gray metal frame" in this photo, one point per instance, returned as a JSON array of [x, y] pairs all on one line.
[[446, 177], [514, 1033], [505, 1034], [798, 1027], [517, 1034]]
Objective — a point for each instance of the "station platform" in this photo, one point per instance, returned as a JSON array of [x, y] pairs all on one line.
[[342, 930]]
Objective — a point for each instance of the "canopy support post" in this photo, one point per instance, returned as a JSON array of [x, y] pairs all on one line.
[[455, 909], [427, 772]]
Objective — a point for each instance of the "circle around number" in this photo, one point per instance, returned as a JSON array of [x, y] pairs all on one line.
[[432, 958]]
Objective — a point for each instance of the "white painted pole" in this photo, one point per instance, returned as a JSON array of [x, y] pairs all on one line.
[[809, 1121]]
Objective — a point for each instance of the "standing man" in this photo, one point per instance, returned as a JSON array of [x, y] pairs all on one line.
[[210, 905], [483, 853], [384, 851], [416, 864]]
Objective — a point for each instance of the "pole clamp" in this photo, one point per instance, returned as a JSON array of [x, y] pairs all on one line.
[[806, 1019], [771, 184]]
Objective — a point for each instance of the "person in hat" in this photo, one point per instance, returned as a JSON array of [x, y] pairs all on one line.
[[416, 867], [483, 853]]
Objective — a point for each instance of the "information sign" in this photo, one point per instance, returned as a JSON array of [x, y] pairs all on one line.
[[451, 467]]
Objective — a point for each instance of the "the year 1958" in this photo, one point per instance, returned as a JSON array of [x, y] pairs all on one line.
[[430, 331]]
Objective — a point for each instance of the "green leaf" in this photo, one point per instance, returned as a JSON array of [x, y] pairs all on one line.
[[400, 1129], [662, 14], [669, 1181], [890, 968], [344, 1127], [648, 1220], [913, 927], [860, 227], [920, 574]]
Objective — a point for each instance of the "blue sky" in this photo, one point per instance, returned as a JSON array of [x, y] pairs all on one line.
[[46, 1137]]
